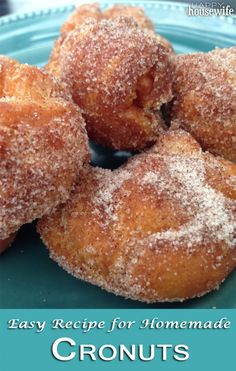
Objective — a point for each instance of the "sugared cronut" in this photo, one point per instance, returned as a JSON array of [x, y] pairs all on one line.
[[160, 228], [120, 76], [43, 145], [204, 88]]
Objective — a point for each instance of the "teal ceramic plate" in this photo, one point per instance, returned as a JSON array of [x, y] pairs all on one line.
[[28, 278]]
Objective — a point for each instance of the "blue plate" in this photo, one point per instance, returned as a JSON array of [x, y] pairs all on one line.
[[29, 279]]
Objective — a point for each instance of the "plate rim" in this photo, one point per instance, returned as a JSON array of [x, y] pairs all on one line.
[[19, 16]]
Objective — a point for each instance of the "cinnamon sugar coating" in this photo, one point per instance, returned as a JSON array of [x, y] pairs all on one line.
[[160, 228], [120, 77], [135, 12], [80, 15], [43, 144], [204, 86], [92, 11], [142, 20]]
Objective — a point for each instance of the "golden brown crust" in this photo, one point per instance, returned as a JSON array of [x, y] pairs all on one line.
[[166, 44], [43, 144], [5, 244], [140, 18], [54, 65], [118, 75], [80, 15], [161, 228], [92, 11], [86, 12], [137, 126], [134, 12], [204, 87]]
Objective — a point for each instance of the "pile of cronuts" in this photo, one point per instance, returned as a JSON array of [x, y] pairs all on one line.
[[161, 227]]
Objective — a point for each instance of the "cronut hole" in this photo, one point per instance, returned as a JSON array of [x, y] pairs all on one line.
[[144, 89]]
